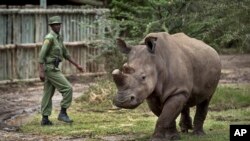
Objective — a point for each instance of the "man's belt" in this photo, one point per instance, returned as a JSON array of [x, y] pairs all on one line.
[[55, 62]]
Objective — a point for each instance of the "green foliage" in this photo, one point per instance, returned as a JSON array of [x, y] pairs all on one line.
[[109, 54], [220, 23], [139, 17]]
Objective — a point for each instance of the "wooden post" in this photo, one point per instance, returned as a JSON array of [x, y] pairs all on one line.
[[43, 4]]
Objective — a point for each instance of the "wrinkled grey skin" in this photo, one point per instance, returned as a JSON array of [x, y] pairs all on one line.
[[173, 73]]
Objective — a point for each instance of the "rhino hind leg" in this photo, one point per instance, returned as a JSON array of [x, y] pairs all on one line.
[[200, 116], [185, 121]]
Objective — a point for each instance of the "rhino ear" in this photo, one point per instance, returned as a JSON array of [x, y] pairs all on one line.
[[150, 43], [122, 46]]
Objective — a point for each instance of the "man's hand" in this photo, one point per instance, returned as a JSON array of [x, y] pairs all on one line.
[[80, 68], [41, 72], [41, 75]]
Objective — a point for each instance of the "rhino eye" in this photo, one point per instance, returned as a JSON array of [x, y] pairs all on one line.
[[143, 77]]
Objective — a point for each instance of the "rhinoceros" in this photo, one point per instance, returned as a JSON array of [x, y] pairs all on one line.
[[172, 73]]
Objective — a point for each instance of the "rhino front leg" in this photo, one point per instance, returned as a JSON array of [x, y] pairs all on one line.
[[154, 105], [200, 116], [166, 127]]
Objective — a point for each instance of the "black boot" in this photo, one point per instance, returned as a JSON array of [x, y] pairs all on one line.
[[45, 121], [63, 116]]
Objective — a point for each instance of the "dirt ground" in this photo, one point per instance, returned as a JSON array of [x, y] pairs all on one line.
[[235, 68], [19, 100]]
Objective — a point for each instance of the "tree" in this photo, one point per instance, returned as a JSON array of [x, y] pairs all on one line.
[[220, 23]]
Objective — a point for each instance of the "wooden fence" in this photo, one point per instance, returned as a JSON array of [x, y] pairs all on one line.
[[31, 25], [22, 32], [20, 62]]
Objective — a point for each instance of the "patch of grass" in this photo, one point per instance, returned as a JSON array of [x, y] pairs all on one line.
[[231, 97], [95, 117], [99, 96], [92, 124]]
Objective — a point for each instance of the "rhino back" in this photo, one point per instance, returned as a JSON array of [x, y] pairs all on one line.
[[192, 66], [206, 67]]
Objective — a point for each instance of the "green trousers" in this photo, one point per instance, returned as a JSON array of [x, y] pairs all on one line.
[[54, 79]]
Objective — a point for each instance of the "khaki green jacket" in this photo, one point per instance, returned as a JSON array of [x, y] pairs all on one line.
[[52, 48]]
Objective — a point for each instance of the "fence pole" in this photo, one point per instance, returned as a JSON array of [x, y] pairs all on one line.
[[43, 4]]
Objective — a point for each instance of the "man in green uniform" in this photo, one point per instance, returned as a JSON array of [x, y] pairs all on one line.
[[51, 54]]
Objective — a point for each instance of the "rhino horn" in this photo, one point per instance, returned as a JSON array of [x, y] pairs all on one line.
[[127, 69], [119, 78]]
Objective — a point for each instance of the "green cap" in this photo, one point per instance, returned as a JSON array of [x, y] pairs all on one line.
[[55, 20]]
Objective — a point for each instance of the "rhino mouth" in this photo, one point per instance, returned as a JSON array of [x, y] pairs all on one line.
[[127, 102]]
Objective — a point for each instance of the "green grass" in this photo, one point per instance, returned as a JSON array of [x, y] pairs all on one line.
[[95, 117], [93, 124], [231, 97]]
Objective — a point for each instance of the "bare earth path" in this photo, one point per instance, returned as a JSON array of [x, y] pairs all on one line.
[[235, 68], [19, 101], [22, 99]]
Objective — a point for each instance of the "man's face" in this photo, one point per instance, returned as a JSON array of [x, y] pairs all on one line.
[[56, 27]]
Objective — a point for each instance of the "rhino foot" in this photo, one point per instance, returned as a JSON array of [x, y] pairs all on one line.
[[185, 129], [157, 139], [185, 124], [166, 138], [199, 132]]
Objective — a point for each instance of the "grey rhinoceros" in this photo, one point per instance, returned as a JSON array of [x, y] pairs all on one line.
[[173, 73]]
